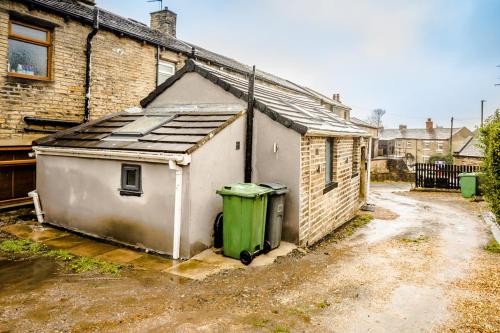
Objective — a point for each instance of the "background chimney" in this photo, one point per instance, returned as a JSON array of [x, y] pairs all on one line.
[[88, 2], [164, 21], [402, 127], [336, 97], [429, 124]]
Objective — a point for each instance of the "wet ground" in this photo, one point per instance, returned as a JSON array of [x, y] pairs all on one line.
[[419, 266]]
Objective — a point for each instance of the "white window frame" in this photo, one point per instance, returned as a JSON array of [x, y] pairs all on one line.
[[408, 144], [427, 145], [165, 70], [440, 146]]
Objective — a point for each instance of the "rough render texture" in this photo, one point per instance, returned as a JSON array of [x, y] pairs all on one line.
[[123, 72], [321, 213], [474, 161]]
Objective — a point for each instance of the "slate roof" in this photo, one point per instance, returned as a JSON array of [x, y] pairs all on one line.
[[417, 133], [134, 29], [471, 148], [360, 122], [187, 127], [298, 111]]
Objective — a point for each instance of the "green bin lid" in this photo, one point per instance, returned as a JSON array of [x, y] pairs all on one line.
[[467, 174], [247, 190]]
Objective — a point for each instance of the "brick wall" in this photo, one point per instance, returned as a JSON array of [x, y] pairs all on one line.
[[321, 213], [123, 72]]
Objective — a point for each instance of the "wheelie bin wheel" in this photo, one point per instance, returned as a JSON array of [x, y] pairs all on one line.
[[267, 247], [246, 257], [218, 231]]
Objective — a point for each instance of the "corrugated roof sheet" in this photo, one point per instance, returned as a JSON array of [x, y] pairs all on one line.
[[417, 133], [141, 31], [360, 122], [185, 130], [471, 148]]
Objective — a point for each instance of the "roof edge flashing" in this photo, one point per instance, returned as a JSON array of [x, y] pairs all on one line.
[[151, 157]]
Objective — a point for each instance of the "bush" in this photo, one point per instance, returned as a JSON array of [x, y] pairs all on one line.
[[490, 182], [448, 159]]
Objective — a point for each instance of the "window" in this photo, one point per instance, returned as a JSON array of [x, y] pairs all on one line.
[[29, 51], [355, 156], [131, 180], [165, 70], [440, 146], [427, 145], [408, 144], [329, 165], [398, 144]]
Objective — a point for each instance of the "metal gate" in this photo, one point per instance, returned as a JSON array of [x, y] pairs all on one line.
[[440, 176]]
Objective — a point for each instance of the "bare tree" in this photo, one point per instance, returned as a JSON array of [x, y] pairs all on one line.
[[376, 117]]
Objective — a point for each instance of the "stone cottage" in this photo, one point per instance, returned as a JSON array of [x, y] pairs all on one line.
[[148, 177], [68, 61], [417, 145], [471, 152]]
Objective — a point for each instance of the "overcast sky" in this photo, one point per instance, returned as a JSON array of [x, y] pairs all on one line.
[[415, 59]]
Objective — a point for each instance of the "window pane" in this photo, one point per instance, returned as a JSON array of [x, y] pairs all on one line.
[[28, 59], [162, 78], [131, 177], [29, 32], [328, 158]]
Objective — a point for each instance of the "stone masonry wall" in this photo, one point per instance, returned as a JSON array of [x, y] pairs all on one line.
[[123, 72], [474, 161], [321, 213]]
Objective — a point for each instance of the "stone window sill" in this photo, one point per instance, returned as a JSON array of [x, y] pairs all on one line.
[[329, 187], [130, 193]]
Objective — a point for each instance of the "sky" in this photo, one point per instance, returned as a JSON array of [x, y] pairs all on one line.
[[416, 59]]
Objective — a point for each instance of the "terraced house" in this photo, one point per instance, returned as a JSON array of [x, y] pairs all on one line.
[[67, 61]]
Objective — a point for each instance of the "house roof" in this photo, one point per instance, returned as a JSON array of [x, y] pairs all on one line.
[[417, 133], [138, 30], [295, 110], [363, 123], [174, 129], [471, 148]]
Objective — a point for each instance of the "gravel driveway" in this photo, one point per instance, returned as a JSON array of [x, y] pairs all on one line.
[[419, 266]]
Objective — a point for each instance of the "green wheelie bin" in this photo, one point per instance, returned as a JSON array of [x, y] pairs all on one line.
[[244, 211], [468, 184]]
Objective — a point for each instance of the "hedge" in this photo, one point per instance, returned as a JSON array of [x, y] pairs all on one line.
[[490, 138]]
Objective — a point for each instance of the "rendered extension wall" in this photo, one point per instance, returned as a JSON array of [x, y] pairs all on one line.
[[282, 166], [214, 164], [82, 194]]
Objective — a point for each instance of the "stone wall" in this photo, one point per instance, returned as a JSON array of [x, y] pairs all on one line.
[[321, 213], [474, 161], [123, 72]]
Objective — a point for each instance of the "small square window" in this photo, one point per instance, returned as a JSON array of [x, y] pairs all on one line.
[[165, 70], [131, 180]]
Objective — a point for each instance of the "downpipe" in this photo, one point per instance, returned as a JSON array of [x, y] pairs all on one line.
[[38, 206], [177, 210]]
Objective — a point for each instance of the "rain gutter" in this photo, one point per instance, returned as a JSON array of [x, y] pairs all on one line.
[[88, 65], [336, 134]]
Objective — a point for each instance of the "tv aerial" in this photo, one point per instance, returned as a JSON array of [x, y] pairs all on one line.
[[160, 1]]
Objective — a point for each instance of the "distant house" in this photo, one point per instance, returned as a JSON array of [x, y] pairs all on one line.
[[148, 178], [417, 145], [470, 153]]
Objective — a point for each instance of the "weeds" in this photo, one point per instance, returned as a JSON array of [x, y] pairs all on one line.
[[323, 304], [358, 222], [299, 313], [493, 246], [77, 264], [419, 239], [87, 264], [281, 329]]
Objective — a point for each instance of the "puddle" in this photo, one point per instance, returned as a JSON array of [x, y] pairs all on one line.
[[23, 275]]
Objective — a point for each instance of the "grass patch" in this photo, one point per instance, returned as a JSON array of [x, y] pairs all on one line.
[[87, 264], [77, 264], [358, 222], [281, 329], [261, 323], [299, 313], [419, 239], [22, 246], [492, 246], [62, 255]]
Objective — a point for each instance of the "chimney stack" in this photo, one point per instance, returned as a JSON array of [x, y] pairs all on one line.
[[336, 97], [164, 21], [429, 124], [403, 127]]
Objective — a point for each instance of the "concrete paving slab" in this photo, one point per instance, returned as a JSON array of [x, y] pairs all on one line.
[[120, 256], [66, 242], [193, 269], [21, 230], [208, 262], [42, 234], [154, 263], [92, 249]]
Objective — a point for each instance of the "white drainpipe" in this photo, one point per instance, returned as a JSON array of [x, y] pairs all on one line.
[[368, 167], [38, 207], [178, 209]]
